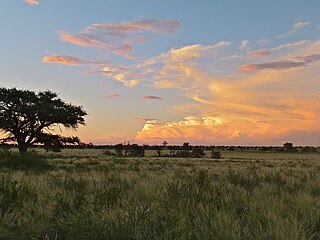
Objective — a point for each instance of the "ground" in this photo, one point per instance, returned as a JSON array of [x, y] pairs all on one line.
[[84, 194]]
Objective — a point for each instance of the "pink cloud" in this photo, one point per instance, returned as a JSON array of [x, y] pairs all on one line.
[[152, 98], [153, 25], [300, 61], [119, 38], [271, 65], [259, 53], [113, 96], [32, 2]]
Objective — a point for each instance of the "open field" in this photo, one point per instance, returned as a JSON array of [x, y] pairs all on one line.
[[83, 194]]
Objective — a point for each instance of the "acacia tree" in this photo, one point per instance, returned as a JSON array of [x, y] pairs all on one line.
[[27, 117]]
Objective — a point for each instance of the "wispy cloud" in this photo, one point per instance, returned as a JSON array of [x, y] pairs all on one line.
[[244, 44], [152, 98], [113, 96], [119, 38], [297, 25], [300, 61], [32, 2], [271, 65], [282, 47], [259, 53], [144, 120], [69, 60]]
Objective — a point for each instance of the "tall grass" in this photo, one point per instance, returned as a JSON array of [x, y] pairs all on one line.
[[99, 197]]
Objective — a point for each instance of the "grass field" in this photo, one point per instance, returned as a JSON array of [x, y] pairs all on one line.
[[83, 194]]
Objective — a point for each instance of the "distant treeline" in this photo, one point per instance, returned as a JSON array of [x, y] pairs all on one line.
[[287, 147]]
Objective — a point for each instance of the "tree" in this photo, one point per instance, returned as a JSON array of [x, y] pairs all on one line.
[[27, 117], [159, 148]]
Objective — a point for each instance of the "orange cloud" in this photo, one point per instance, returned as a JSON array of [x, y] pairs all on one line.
[[32, 2], [265, 107], [68, 60], [152, 98]]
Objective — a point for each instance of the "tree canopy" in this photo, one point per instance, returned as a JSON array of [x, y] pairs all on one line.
[[28, 117]]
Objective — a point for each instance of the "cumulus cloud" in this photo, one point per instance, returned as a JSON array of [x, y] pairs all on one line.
[[264, 107], [224, 105], [32, 2], [297, 25], [152, 98], [123, 78]]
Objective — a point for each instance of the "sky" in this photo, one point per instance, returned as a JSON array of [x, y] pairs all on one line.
[[213, 72]]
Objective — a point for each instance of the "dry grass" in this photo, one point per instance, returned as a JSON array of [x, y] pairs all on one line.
[[83, 194]]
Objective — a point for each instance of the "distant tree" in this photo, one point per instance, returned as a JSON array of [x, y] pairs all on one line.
[[288, 147], [185, 146], [55, 143], [27, 117], [119, 149], [159, 148], [136, 151], [197, 152], [215, 154]]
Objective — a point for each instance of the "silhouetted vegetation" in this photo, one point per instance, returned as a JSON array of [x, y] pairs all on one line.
[[26, 117]]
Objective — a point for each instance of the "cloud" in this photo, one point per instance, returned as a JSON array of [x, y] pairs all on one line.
[[282, 47], [176, 68], [123, 78], [70, 61], [300, 61], [297, 25], [119, 38], [113, 96], [264, 108], [223, 105], [291, 45], [271, 65], [137, 119], [244, 44], [151, 98], [32, 2], [259, 53], [153, 25]]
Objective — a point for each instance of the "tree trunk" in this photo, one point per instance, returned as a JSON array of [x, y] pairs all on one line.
[[23, 148]]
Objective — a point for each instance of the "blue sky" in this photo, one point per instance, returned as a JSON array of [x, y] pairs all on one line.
[[220, 49]]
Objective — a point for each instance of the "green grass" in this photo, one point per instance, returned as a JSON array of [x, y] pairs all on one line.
[[83, 194]]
